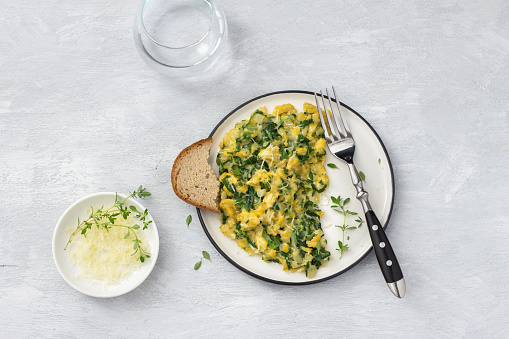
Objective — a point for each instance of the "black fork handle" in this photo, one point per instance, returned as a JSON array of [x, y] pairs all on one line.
[[385, 256]]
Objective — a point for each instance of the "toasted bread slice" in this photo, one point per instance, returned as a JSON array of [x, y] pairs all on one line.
[[193, 179]]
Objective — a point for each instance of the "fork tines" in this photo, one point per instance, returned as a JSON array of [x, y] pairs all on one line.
[[334, 129]]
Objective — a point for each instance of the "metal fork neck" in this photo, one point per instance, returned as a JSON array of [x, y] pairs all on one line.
[[362, 195]]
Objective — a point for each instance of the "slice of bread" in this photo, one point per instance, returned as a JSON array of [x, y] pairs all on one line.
[[193, 179]]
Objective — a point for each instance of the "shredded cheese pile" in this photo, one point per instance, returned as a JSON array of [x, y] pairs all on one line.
[[105, 256]]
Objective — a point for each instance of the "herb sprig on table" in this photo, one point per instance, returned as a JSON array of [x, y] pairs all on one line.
[[339, 207], [206, 255], [113, 216]]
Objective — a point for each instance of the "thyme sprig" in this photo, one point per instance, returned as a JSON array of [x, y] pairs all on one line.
[[339, 207], [111, 216]]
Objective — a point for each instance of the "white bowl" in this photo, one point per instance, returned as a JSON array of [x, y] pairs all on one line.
[[68, 271]]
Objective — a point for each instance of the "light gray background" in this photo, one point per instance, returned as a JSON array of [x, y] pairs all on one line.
[[80, 113]]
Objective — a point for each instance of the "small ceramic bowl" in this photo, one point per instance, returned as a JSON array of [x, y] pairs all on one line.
[[68, 271]]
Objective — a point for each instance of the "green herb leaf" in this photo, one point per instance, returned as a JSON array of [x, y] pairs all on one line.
[[332, 166], [379, 161], [142, 192], [363, 177], [135, 227], [127, 234], [342, 247], [188, 220], [336, 200], [206, 255], [293, 238], [197, 265]]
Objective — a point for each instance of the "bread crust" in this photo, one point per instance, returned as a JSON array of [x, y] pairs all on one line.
[[175, 172]]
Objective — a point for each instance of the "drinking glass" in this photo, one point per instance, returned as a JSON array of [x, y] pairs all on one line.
[[180, 37]]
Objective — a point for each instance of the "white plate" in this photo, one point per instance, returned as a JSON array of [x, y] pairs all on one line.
[[68, 271], [379, 184]]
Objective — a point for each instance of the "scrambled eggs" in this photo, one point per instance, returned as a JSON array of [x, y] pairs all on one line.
[[271, 172]]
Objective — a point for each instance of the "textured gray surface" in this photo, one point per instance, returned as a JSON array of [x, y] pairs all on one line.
[[80, 112]]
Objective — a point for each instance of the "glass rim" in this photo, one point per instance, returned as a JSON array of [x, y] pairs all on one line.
[[211, 18]]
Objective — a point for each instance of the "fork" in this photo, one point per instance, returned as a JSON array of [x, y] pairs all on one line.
[[342, 145]]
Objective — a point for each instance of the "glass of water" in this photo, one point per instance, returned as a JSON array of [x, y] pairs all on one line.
[[180, 37]]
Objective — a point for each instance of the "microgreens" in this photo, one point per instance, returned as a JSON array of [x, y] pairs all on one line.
[[362, 175], [332, 166], [110, 217], [188, 220]]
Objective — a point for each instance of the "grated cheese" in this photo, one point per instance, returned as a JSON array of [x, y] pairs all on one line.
[[105, 256]]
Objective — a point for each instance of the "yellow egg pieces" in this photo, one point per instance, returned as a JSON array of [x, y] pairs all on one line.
[[272, 173]]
